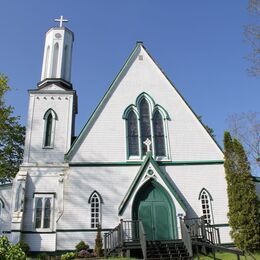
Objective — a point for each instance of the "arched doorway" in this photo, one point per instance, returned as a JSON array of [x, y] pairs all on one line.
[[153, 206]]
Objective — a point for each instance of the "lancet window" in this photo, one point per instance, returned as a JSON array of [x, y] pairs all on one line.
[[206, 209], [50, 117], [95, 201], [145, 120]]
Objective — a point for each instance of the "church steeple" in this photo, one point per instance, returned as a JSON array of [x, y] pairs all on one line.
[[57, 57]]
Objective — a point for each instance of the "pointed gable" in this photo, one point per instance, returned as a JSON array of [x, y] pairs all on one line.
[[149, 161], [188, 140]]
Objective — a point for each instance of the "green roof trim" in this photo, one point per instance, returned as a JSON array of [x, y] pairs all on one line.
[[148, 159], [104, 98], [138, 163]]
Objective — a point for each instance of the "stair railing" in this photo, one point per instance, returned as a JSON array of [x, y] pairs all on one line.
[[201, 230], [186, 237], [126, 231], [142, 236]]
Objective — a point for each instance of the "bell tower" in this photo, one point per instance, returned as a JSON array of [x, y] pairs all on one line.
[[53, 104], [57, 55]]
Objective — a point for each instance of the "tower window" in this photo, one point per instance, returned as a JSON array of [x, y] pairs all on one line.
[[95, 201], [50, 117]]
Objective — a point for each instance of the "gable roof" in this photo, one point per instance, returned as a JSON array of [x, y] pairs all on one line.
[[110, 90], [149, 160]]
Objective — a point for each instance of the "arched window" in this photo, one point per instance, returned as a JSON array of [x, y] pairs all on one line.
[[43, 211], [145, 124], [65, 60], [38, 213], [95, 201], [205, 201], [49, 117], [55, 60], [47, 213], [48, 131], [158, 131], [132, 130]]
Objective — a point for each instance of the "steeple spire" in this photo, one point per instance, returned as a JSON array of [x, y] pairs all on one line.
[[57, 54]]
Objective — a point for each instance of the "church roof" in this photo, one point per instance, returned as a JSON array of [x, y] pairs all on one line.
[[108, 94], [149, 160]]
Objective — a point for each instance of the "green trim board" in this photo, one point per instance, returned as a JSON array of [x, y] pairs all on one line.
[[138, 163], [140, 173], [220, 225], [103, 100]]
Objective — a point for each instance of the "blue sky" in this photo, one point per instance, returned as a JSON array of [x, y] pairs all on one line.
[[199, 45]]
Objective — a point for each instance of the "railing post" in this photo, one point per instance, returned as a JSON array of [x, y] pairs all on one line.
[[121, 232], [203, 229], [218, 235], [105, 245]]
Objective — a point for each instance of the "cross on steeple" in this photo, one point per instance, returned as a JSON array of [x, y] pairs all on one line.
[[148, 143], [61, 20]]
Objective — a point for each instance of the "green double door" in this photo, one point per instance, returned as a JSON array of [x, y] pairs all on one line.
[[153, 208]]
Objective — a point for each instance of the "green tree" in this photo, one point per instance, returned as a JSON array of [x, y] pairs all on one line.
[[242, 199], [11, 136]]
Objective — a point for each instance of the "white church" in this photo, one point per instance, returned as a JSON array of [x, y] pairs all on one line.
[[143, 155]]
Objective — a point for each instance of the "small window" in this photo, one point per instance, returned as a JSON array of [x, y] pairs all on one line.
[[132, 128], [50, 117], [43, 211], [145, 123], [205, 200], [95, 205], [159, 138]]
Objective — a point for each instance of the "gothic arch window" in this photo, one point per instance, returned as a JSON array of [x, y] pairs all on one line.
[[206, 207], [146, 120], [95, 201], [159, 136], [132, 134], [50, 117], [145, 123], [55, 60], [65, 60]]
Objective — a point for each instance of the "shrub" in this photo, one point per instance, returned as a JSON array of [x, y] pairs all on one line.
[[98, 242], [42, 256], [10, 252], [24, 246], [81, 246], [84, 254], [68, 256]]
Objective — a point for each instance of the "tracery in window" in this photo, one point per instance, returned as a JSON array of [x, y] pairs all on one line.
[[205, 200], [145, 124], [159, 137], [132, 130], [95, 205], [43, 211]]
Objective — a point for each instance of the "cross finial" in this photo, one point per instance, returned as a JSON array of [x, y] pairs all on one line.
[[148, 143], [61, 20]]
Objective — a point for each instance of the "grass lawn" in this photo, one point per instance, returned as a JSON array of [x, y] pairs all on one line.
[[228, 256]]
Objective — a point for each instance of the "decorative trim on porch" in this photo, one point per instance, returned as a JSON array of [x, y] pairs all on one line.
[[148, 159]]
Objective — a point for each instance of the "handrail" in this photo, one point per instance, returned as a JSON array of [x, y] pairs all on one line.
[[199, 229], [126, 231], [186, 238], [142, 239]]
